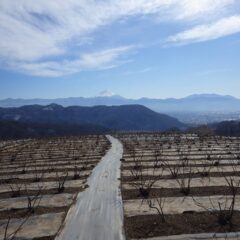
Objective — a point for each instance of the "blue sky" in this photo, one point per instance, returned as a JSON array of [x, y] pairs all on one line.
[[135, 48]]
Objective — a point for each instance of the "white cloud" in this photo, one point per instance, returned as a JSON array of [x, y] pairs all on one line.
[[101, 60], [34, 31], [221, 28], [202, 8]]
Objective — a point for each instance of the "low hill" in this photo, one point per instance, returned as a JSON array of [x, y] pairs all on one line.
[[120, 118], [227, 128], [18, 130]]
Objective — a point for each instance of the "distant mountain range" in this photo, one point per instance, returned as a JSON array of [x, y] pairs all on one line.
[[193, 103], [120, 118], [55, 120]]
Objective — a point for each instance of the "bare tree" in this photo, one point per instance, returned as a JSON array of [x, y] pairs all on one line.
[[187, 173], [145, 177], [38, 173], [173, 168], [157, 203], [206, 165], [34, 200], [15, 189], [61, 181], [224, 210]]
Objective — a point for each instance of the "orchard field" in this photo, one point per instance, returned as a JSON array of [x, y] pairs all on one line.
[[169, 186], [39, 181], [180, 184]]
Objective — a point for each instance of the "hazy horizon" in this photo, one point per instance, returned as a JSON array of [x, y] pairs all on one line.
[[100, 94]]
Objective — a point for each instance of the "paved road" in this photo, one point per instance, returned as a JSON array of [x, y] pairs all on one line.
[[98, 214]]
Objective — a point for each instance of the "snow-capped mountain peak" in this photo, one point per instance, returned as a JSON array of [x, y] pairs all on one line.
[[106, 93]]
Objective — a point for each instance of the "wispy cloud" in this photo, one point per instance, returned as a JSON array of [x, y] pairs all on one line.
[[214, 71], [221, 28], [100, 60], [33, 33], [203, 9], [144, 70]]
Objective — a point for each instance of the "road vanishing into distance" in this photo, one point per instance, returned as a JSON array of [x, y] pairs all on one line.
[[98, 212]]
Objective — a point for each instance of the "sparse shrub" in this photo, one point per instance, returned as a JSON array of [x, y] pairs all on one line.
[[187, 173], [144, 182], [15, 189], [157, 203], [61, 182]]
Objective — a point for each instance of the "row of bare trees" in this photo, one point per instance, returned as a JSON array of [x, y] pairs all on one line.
[[183, 172]]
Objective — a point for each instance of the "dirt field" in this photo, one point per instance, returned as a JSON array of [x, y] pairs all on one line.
[[180, 184], [39, 181], [172, 186]]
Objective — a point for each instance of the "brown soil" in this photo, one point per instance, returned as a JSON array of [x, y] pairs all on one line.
[[43, 192], [21, 213], [189, 165], [41, 162], [32, 180], [19, 170], [195, 175], [149, 158], [187, 223], [45, 238], [175, 192]]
